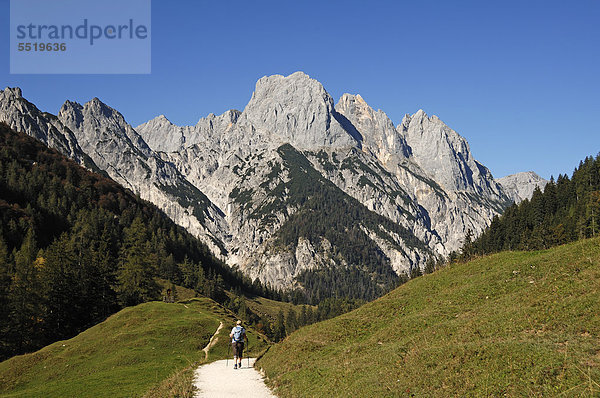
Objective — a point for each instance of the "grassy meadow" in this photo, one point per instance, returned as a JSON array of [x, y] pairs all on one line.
[[517, 324], [147, 350]]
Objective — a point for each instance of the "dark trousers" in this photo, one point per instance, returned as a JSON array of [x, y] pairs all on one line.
[[238, 348]]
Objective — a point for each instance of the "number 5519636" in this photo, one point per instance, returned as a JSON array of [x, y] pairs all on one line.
[[42, 46]]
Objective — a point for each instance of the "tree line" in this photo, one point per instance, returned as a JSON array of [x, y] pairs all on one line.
[[286, 322], [568, 209]]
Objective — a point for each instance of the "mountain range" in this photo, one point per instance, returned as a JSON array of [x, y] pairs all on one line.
[[296, 190]]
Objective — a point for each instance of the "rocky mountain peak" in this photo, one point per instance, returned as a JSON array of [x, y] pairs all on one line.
[[72, 112], [164, 136], [231, 116], [377, 131], [161, 119], [68, 105], [161, 135], [417, 117], [520, 186], [95, 121], [356, 103], [296, 109], [445, 155], [99, 108], [14, 92]]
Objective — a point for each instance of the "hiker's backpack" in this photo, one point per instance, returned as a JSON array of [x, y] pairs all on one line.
[[238, 334]]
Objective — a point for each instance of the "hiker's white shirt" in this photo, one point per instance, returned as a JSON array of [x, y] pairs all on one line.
[[232, 334]]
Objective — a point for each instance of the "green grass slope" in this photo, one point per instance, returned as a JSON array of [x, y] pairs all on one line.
[[137, 351], [511, 324]]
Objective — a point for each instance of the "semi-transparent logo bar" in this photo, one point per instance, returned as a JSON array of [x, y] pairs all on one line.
[[80, 36]]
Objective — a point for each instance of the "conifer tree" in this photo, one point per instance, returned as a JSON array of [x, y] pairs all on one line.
[[62, 298], [137, 270], [291, 324], [279, 331], [302, 317], [593, 212], [310, 317], [174, 294], [415, 272], [4, 298], [107, 271], [429, 265], [4, 273], [23, 296]]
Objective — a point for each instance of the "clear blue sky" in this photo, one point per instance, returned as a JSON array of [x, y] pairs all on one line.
[[519, 79]]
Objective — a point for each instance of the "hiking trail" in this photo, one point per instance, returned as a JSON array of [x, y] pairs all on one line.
[[219, 380], [213, 340]]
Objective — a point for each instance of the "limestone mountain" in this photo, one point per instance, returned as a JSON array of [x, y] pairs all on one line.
[[357, 149], [520, 186], [434, 166], [297, 190], [23, 116], [98, 137], [164, 136]]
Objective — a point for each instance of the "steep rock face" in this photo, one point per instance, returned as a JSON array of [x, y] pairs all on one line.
[[23, 116], [468, 200], [520, 186], [296, 109], [162, 135], [378, 134], [445, 156], [118, 149], [466, 197]]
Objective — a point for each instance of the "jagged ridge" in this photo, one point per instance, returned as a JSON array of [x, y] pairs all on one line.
[[420, 175]]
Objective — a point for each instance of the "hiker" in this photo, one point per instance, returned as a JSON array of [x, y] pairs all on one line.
[[238, 334]]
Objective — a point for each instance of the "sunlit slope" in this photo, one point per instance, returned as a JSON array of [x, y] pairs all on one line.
[[130, 353], [514, 324]]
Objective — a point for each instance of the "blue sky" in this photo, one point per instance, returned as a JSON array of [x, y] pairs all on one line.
[[518, 79]]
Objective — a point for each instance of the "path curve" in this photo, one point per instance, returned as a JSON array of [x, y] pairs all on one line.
[[220, 380], [213, 340]]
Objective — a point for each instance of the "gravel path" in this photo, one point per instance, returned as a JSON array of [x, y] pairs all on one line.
[[216, 380]]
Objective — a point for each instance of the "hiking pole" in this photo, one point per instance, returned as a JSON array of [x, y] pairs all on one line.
[[248, 352]]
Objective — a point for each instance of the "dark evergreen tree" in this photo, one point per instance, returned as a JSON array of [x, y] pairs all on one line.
[[24, 307], [415, 272], [291, 323], [62, 298], [302, 316], [310, 316], [137, 270], [279, 331], [5, 280]]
